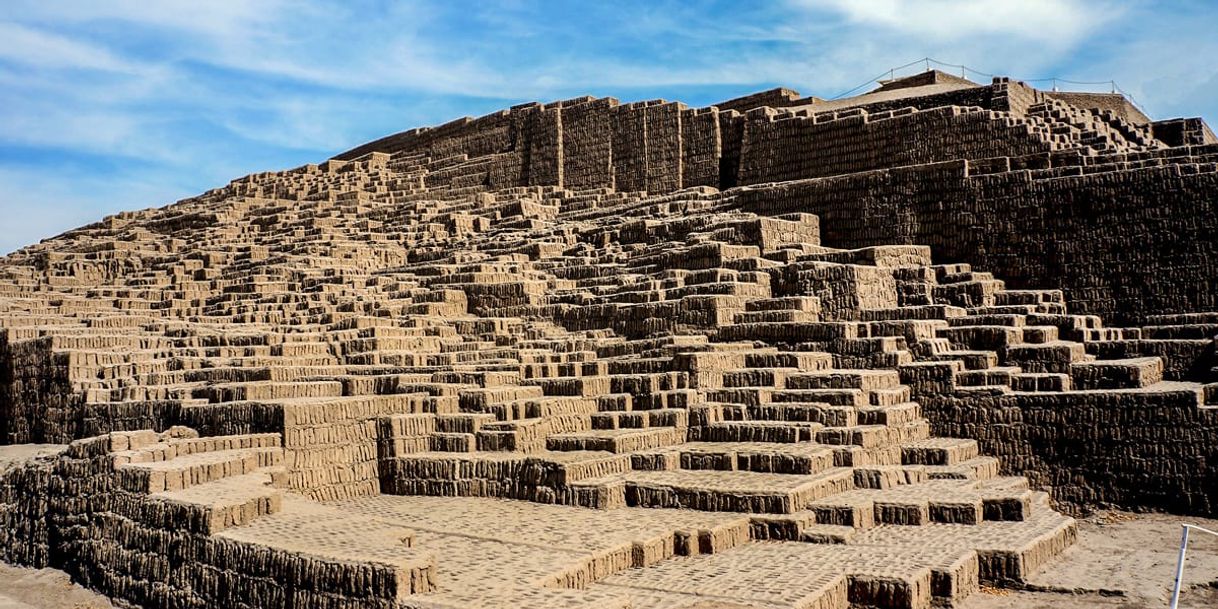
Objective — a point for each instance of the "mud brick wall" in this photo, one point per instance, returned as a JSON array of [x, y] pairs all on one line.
[[774, 98], [24, 504], [485, 135], [329, 447], [980, 97], [1121, 245], [1013, 96], [233, 418], [330, 450], [40, 405], [662, 145], [9, 426], [701, 147], [797, 147], [587, 144], [159, 415], [841, 289], [1113, 102], [1118, 244], [141, 552], [731, 134], [541, 135], [405, 140], [897, 206], [1183, 132], [1153, 450], [630, 146], [506, 170]]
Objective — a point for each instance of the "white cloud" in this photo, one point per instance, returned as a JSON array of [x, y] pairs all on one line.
[[212, 18], [1051, 21], [31, 47]]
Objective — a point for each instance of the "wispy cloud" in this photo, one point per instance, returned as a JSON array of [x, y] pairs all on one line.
[[127, 103], [31, 47], [1047, 21]]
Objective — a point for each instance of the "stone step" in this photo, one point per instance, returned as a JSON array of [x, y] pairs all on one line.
[[453, 442], [995, 319], [479, 398], [799, 360], [800, 526], [940, 500], [382, 550], [778, 315], [889, 415], [889, 397], [934, 311], [982, 338], [1003, 310], [867, 436], [1040, 381], [1039, 334], [211, 507], [551, 469], [269, 391], [621, 420], [189, 470], [991, 376], [1181, 331], [1053, 356], [939, 451], [865, 380], [146, 445], [755, 431], [1133, 373], [813, 412], [733, 491], [802, 458], [528, 435], [878, 477], [616, 441], [543, 407], [977, 468], [758, 377], [972, 360], [836, 397], [1028, 297], [1005, 551], [587, 386]]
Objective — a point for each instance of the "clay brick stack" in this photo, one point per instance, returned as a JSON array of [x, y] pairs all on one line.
[[317, 387]]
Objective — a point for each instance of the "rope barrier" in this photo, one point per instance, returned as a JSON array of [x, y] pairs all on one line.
[[927, 61]]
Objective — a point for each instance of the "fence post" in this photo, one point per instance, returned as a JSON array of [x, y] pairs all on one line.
[[1175, 594]]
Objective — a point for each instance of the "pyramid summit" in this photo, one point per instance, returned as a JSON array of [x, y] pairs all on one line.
[[778, 352]]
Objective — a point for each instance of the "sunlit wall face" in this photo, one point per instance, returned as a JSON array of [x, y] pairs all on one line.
[[115, 105]]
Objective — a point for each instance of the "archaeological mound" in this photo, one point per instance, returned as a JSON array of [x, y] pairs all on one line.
[[778, 353]]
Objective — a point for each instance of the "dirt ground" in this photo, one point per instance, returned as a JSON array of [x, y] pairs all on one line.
[[1121, 561], [22, 588]]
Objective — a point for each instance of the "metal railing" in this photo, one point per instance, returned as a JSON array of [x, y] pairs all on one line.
[[1175, 594]]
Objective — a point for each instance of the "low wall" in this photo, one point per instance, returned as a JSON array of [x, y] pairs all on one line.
[[1130, 449], [67, 510]]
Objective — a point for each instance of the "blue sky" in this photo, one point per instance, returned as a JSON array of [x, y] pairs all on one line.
[[128, 104]]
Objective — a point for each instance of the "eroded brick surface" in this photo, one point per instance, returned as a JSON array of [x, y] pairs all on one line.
[[591, 354]]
